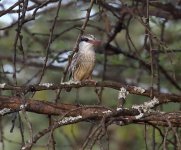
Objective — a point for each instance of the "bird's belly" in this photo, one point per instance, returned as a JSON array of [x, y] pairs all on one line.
[[84, 70]]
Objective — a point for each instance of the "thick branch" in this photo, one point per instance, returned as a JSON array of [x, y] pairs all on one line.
[[162, 97], [12, 104]]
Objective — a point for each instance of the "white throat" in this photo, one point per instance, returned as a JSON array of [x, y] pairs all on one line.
[[85, 47], [87, 52]]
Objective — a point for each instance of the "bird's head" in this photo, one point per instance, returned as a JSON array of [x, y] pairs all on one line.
[[89, 41]]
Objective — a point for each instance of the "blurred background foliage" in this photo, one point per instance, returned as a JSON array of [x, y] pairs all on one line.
[[119, 68]]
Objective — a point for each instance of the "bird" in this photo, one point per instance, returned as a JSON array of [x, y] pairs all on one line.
[[83, 61]]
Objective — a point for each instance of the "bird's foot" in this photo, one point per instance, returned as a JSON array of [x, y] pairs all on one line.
[[75, 82], [92, 81]]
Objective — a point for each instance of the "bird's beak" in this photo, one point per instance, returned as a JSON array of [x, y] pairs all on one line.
[[95, 42]]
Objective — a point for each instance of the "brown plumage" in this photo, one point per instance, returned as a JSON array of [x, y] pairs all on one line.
[[83, 61]]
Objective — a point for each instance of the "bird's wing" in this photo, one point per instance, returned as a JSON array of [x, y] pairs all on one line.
[[74, 64]]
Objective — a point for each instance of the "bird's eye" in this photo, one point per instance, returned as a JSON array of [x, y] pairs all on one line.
[[84, 39]]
